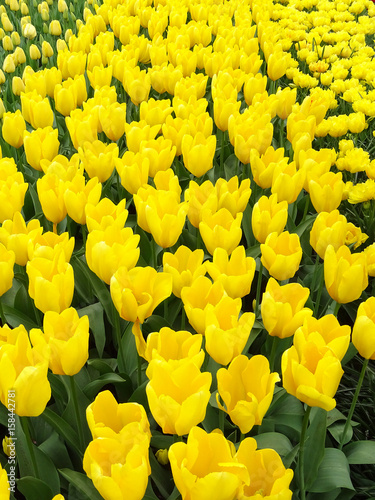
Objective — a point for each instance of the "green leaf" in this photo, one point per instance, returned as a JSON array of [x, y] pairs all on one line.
[[34, 489], [275, 441], [100, 288], [92, 389], [26, 450], [15, 318], [247, 228], [56, 450], [333, 472], [62, 428], [360, 452], [161, 477], [95, 315], [82, 484], [314, 444]]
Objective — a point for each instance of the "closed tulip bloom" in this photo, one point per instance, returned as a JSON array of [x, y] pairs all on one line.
[[226, 332], [105, 214], [281, 255], [236, 272], [34, 52], [113, 119], [12, 195], [329, 228], [255, 84], [325, 331], [9, 64], [136, 293], [197, 298], [165, 217], [49, 244], [51, 191], [159, 152], [65, 97], [223, 109], [232, 196], [36, 110], [198, 153], [7, 259], [282, 308], [326, 192], [363, 336], [24, 371], [99, 159], [285, 100], [136, 132], [133, 169], [47, 50], [174, 347], [312, 374], [51, 283], [17, 85], [118, 466], [184, 266], [82, 128], [155, 112], [287, 182], [100, 76], [175, 129], [109, 249], [345, 274], [175, 405], [263, 166], [29, 31], [299, 121], [65, 338], [200, 197], [137, 84], [78, 194], [268, 477], [106, 417], [71, 63], [13, 128], [246, 389], [41, 144], [221, 230], [268, 216], [277, 64], [15, 234], [205, 467], [255, 134]]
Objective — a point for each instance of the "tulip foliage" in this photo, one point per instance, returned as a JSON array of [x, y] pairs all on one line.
[[187, 249]]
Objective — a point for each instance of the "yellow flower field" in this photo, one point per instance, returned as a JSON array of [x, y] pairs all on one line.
[[187, 249]]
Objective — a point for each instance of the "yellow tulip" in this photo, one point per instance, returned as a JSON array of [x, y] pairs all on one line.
[[51, 283], [325, 331], [13, 127], [345, 274], [221, 229], [7, 259], [106, 214], [113, 120], [268, 216], [198, 153], [16, 235], [136, 293], [78, 194], [109, 249], [65, 338], [226, 332], [312, 374], [41, 144], [364, 329], [246, 389], [200, 197], [206, 463], [329, 228], [281, 255], [175, 405], [236, 272], [232, 196], [282, 308], [24, 371], [326, 191]]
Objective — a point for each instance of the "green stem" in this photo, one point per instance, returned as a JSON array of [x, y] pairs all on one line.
[[315, 274], [76, 410], [26, 430], [317, 303], [121, 361], [2, 315], [221, 420], [354, 402], [153, 254], [259, 286], [139, 372], [222, 173], [337, 307], [273, 353], [302, 453], [183, 317]]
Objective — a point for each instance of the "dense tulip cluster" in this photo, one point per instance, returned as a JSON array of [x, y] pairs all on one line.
[[172, 175]]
